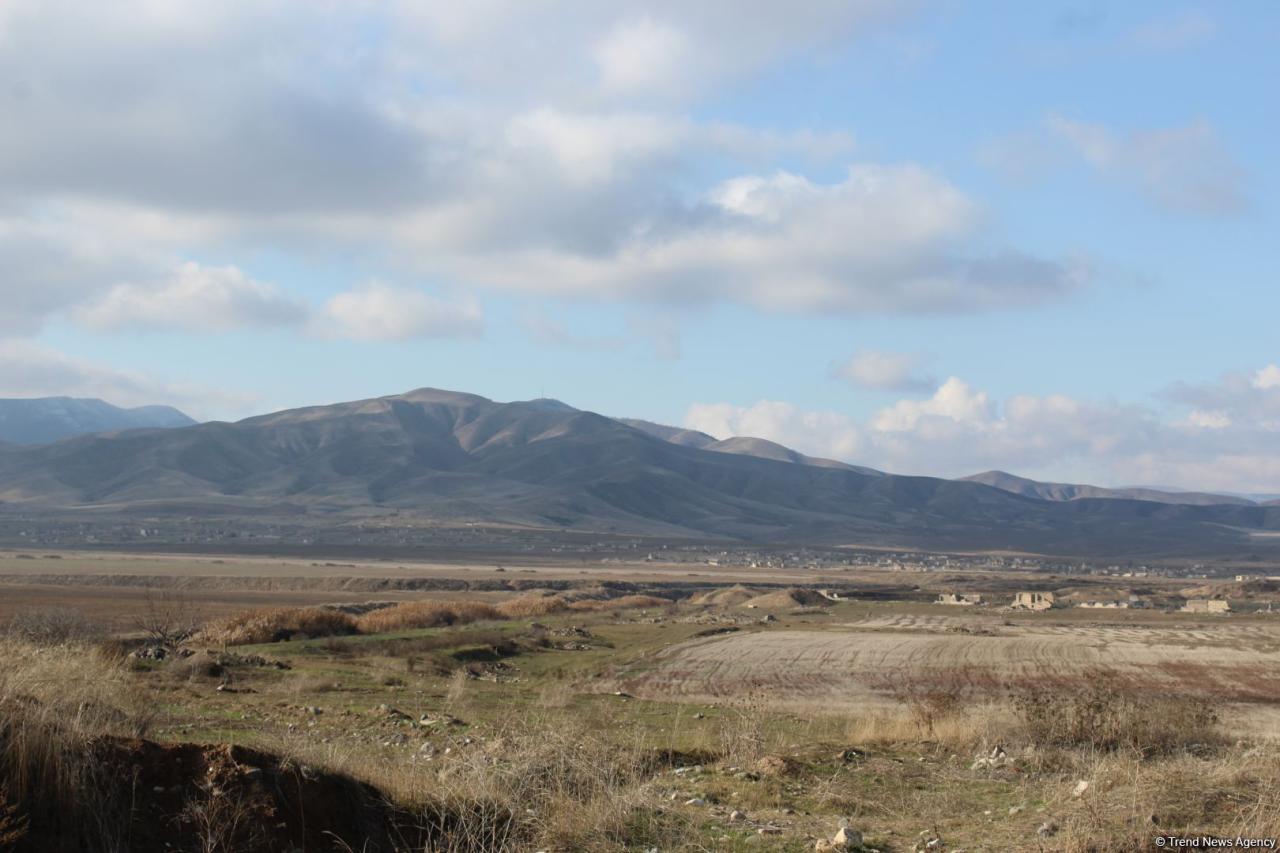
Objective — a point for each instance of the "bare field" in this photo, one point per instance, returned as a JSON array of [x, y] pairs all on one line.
[[638, 722], [857, 663]]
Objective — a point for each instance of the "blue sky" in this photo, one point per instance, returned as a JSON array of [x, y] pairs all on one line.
[[928, 237]]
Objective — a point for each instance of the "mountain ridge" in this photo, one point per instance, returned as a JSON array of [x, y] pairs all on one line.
[[42, 420], [1075, 491], [436, 456]]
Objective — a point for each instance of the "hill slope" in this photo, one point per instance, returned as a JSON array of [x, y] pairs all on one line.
[[48, 419], [438, 456]]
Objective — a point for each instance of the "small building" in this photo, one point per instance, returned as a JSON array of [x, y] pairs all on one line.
[[1032, 601], [968, 599], [1206, 605]]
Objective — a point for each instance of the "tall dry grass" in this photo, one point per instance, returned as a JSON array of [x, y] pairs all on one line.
[[529, 606], [55, 702], [425, 614], [270, 625], [623, 602]]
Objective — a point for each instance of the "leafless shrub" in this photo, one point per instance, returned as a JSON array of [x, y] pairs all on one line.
[[929, 698], [222, 821], [1104, 716], [166, 619], [54, 625]]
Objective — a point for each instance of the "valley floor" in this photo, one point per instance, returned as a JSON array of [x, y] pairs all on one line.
[[588, 718]]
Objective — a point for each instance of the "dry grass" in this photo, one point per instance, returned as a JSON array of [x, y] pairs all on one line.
[[55, 701], [537, 784], [972, 726], [527, 606], [1130, 800], [270, 625], [1104, 716], [425, 614], [621, 603]]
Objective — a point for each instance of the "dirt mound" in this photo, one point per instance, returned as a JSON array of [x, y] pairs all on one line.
[[788, 598], [730, 596], [194, 796]]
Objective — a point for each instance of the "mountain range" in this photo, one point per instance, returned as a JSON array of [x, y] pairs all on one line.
[[444, 457], [1072, 491], [47, 419]]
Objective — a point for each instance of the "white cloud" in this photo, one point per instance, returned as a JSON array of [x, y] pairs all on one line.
[[1267, 378], [468, 146], [193, 297], [380, 312], [644, 56], [886, 371], [883, 239], [953, 401], [1229, 441]]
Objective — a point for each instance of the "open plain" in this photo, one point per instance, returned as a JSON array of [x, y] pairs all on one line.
[[507, 703]]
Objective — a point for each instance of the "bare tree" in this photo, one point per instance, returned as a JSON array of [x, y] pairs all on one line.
[[166, 619]]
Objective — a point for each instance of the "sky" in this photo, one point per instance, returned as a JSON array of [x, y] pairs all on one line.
[[928, 237]]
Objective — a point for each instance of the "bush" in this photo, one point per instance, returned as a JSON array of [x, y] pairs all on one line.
[[1102, 717], [929, 699], [48, 626]]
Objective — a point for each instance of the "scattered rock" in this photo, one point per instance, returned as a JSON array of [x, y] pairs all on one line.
[[847, 838], [1013, 810], [736, 816], [1047, 829], [695, 801], [775, 765], [1081, 787]]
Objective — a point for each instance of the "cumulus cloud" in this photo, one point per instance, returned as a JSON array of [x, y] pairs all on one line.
[[194, 297], [1239, 397], [883, 239], [885, 371], [468, 146], [381, 312], [1230, 439]]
